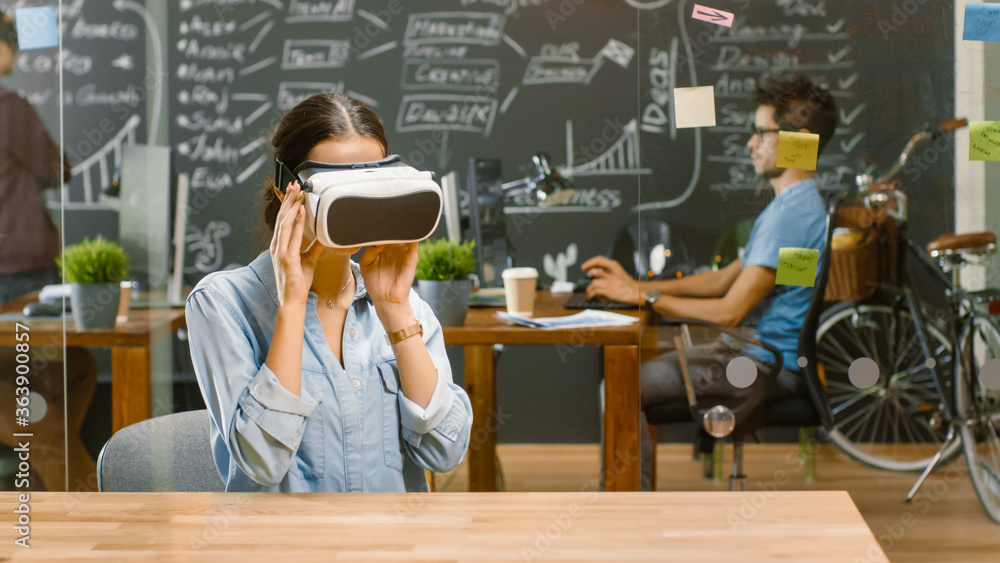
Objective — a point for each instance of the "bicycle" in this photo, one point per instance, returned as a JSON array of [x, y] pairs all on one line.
[[929, 401]]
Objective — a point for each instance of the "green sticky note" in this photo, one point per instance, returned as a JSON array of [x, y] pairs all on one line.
[[984, 140], [797, 266], [797, 150]]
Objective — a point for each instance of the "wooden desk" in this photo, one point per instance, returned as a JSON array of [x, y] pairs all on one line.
[[816, 526], [130, 345], [621, 385]]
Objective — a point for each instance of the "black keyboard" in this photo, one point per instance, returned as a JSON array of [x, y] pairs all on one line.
[[580, 301]]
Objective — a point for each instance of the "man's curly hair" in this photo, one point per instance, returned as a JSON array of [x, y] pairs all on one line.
[[798, 104]]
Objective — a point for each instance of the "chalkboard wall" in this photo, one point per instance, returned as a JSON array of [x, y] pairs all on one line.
[[588, 82]]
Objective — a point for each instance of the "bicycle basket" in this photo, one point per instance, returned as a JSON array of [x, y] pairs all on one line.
[[857, 270]]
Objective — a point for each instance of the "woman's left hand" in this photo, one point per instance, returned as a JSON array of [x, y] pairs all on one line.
[[388, 271]]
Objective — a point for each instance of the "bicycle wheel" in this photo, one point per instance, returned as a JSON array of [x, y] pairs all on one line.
[[979, 407], [897, 423]]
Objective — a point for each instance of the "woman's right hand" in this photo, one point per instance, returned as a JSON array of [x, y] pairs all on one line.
[[293, 269]]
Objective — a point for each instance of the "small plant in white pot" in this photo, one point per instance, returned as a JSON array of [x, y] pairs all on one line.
[[94, 269], [443, 269]]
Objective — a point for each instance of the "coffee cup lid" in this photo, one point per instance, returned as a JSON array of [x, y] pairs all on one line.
[[519, 273]]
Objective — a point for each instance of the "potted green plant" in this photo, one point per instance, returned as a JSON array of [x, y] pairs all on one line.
[[443, 269], [94, 269]]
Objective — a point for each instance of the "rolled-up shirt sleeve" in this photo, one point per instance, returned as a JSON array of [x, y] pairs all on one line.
[[260, 422], [436, 437]]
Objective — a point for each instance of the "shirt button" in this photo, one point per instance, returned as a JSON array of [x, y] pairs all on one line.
[[352, 333], [356, 383]]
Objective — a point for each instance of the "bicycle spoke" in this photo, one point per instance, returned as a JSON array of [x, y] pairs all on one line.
[[831, 363], [850, 402], [930, 396], [865, 413], [910, 428], [932, 432], [854, 338], [872, 351], [912, 342], [875, 426]]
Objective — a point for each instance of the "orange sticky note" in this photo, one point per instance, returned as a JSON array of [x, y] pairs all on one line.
[[797, 150]]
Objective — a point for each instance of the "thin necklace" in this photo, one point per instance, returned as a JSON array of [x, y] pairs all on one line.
[[329, 302]]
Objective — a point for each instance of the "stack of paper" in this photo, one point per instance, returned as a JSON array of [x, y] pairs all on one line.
[[586, 318]]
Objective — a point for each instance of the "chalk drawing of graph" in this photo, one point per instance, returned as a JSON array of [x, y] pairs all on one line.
[[100, 160], [619, 159]]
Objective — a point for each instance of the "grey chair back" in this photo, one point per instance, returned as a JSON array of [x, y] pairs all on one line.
[[162, 454]]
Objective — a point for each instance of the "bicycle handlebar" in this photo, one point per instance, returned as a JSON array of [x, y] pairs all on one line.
[[949, 126]]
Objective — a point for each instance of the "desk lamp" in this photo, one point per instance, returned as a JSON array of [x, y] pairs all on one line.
[[546, 184]]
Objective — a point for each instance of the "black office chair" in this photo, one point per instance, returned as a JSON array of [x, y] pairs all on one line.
[[808, 410]]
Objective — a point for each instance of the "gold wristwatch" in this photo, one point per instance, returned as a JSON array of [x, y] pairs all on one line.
[[402, 334]]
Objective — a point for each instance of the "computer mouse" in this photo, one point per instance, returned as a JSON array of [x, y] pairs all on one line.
[[39, 309]]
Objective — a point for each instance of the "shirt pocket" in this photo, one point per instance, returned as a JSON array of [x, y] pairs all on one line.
[[391, 442], [310, 458]]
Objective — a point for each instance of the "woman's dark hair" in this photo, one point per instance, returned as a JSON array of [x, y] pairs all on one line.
[[798, 104], [323, 117]]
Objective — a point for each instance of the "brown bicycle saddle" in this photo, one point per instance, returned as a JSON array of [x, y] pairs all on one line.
[[949, 243]]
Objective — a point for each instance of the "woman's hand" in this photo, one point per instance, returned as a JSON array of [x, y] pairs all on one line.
[[610, 280], [388, 271], [293, 269]]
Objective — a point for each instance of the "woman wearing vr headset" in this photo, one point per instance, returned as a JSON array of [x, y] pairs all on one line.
[[321, 374]]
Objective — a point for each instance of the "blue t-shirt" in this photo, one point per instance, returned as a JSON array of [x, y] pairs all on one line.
[[796, 218]]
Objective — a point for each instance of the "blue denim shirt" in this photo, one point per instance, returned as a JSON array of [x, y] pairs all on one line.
[[796, 218], [352, 428]]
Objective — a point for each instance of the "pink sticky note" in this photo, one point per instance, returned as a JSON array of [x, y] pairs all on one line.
[[712, 15]]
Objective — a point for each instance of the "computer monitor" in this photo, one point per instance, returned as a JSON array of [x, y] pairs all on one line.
[[144, 215], [486, 220]]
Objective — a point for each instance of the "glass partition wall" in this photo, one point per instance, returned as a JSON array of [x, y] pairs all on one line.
[[46, 386], [645, 110]]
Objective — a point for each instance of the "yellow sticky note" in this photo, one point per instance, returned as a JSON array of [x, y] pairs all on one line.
[[797, 266], [797, 150], [984, 140], [694, 107]]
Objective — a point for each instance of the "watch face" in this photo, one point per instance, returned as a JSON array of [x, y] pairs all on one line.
[[652, 296]]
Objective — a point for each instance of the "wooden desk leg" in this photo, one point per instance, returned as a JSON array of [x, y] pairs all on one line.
[[621, 418], [130, 387], [481, 386]]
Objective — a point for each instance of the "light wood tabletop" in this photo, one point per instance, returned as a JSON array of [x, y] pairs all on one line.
[[815, 526]]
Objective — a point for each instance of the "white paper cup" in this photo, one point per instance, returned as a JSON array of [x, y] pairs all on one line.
[[519, 287]]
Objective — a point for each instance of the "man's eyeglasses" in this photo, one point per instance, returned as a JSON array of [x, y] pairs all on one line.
[[754, 130]]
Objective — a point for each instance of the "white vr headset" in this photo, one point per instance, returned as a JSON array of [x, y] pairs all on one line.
[[365, 203]]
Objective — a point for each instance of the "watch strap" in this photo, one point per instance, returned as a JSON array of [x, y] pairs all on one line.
[[402, 334]]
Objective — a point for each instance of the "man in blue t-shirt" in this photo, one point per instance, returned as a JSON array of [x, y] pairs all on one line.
[[743, 294]]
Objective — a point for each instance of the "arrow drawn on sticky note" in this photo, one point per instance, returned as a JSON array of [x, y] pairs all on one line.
[[712, 15]]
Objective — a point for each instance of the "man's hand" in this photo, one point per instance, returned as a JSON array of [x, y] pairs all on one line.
[[611, 281]]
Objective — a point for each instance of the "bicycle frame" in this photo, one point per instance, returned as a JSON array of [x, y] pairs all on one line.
[[961, 318]]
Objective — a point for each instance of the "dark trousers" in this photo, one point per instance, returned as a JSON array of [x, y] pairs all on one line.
[[661, 380]]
